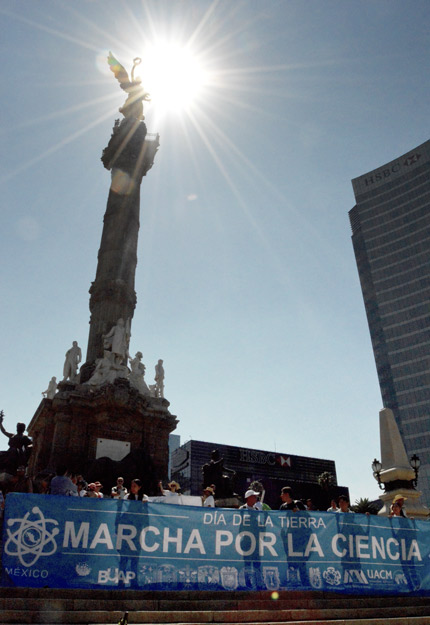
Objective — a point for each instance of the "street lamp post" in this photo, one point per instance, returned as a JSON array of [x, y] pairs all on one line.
[[376, 468], [415, 463]]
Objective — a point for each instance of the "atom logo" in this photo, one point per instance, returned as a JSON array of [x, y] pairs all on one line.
[[32, 538]]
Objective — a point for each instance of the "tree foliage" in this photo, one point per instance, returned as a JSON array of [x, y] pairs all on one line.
[[364, 506], [326, 480]]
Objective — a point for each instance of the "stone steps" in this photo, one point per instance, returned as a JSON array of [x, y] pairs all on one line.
[[106, 607], [112, 618]]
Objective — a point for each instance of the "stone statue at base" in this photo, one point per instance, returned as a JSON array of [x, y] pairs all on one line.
[[52, 388], [71, 364], [107, 370], [137, 374], [117, 341], [159, 379], [214, 472], [19, 451]]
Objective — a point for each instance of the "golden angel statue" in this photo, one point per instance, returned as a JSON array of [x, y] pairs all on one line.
[[133, 106]]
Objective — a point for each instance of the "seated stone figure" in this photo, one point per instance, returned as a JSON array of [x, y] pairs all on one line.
[[137, 374], [19, 451], [107, 370]]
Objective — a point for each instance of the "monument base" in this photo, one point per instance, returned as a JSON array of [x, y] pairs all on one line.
[[396, 473], [413, 506], [99, 431]]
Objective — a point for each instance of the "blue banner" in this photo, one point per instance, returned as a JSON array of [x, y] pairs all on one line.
[[70, 542]]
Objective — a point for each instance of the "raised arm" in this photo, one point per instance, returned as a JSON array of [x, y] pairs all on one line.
[[1, 425]]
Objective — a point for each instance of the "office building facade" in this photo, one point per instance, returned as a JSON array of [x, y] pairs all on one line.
[[391, 239], [273, 469]]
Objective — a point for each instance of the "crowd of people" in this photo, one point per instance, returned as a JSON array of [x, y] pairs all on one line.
[[64, 482], [69, 484], [253, 501]]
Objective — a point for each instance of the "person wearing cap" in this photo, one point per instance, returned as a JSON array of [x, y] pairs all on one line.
[[173, 487], [208, 499], [119, 491], [251, 498], [396, 508], [258, 488]]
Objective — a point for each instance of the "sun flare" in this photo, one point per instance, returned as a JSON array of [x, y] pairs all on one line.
[[173, 75]]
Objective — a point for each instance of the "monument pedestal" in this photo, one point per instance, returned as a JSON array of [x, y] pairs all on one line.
[[396, 473], [67, 428], [413, 506]]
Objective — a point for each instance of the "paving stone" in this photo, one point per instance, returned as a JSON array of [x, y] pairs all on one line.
[[16, 616], [79, 607], [208, 604], [173, 617]]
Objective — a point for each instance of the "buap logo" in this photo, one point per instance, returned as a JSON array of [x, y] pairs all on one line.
[[31, 539]]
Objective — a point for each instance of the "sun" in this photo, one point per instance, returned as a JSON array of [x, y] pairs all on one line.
[[174, 76]]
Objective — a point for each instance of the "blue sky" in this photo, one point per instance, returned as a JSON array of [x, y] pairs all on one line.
[[246, 281]]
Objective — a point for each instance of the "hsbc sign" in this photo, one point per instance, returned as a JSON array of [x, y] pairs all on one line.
[[253, 456], [284, 461], [392, 168], [411, 160]]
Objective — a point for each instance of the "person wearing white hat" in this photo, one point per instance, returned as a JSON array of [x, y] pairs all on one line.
[[173, 489], [251, 498], [208, 500], [396, 508]]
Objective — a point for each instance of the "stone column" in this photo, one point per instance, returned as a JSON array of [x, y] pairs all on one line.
[[129, 156], [112, 293]]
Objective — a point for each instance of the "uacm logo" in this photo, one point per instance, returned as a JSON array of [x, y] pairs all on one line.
[[31, 539]]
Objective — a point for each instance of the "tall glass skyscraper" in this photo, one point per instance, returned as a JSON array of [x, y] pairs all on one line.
[[391, 238]]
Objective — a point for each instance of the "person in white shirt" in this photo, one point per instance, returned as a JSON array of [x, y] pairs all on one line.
[[136, 493], [344, 504], [333, 506], [173, 487], [208, 499], [251, 498], [119, 491]]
